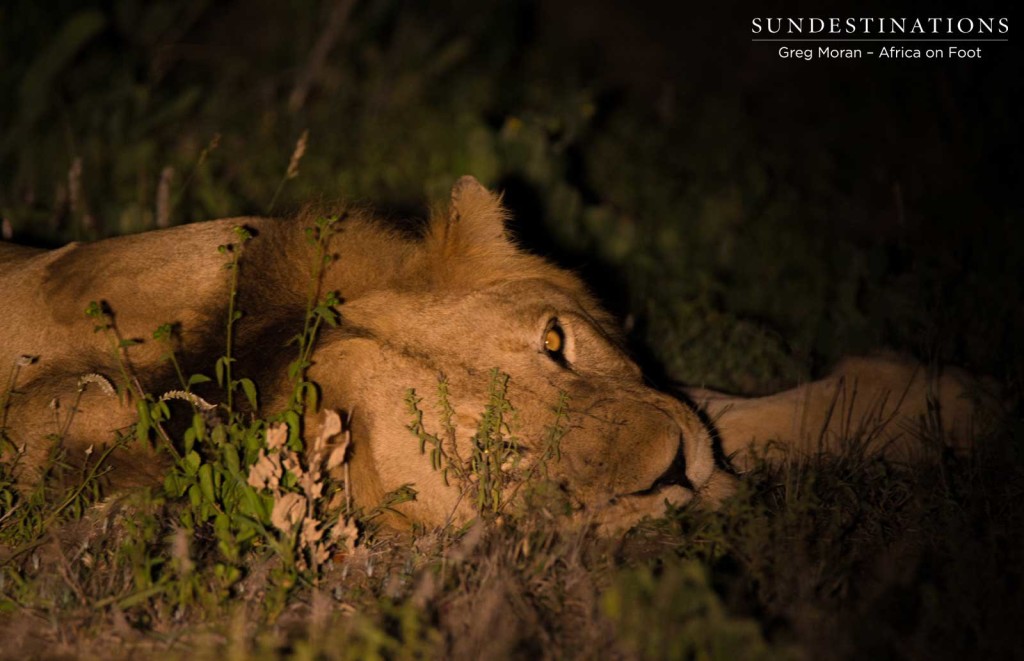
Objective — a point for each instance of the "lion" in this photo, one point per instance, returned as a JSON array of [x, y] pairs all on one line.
[[458, 304]]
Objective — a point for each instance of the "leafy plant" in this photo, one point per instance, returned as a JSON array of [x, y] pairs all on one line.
[[492, 471]]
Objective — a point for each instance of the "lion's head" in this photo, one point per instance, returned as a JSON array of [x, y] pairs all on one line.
[[494, 347]]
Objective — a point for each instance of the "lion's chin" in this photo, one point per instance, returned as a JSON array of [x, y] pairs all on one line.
[[623, 512]]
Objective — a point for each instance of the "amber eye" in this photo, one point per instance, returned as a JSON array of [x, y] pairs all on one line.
[[554, 338]]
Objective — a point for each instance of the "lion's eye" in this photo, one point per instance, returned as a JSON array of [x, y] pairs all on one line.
[[554, 339]]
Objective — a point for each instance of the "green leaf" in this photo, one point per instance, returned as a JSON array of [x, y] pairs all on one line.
[[227, 574], [249, 388], [173, 485], [198, 378], [253, 441], [328, 315], [191, 463], [291, 418], [266, 507], [222, 526], [145, 423], [187, 520], [246, 531], [190, 439], [312, 396], [254, 506], [206, 483], [230, 453]]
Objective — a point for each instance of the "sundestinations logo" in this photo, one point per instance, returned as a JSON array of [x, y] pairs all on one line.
[[947, 26], [899, 38]]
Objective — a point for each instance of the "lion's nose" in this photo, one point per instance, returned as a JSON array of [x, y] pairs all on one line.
[[675, 474]]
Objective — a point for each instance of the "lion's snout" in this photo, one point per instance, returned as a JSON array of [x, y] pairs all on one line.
[[675, 474], [628, 446], [650, 452]]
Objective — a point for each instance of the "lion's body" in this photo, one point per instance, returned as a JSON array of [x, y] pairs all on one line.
[[454, 303]]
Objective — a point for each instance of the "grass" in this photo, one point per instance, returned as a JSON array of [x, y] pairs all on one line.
[[751, 241], [838, 557]]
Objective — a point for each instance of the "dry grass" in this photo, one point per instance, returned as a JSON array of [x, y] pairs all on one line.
[[833, 557]]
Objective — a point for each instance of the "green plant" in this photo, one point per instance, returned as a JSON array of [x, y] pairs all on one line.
[[249, 485], [492, 471], [223, 366], [319, 310], [444, 453], [253, 481], [676, 614]]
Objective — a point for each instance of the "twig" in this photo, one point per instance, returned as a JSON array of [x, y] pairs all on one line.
[[318, 55], [65, 571]]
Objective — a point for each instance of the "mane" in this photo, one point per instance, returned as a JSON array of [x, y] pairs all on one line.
[[460, 247]]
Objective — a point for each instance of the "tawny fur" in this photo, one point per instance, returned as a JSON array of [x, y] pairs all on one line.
[[456, 302]]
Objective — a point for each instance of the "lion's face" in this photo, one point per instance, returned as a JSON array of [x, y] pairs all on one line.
[[528, 339]]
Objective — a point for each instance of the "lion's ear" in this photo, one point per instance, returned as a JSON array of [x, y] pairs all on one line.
[[473, 226], [476, 216]]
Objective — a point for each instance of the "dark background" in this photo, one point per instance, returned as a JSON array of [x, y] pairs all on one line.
[[753, 218]]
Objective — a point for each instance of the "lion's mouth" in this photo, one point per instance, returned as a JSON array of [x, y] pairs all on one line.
[[672, 489], [674, 476], [622, 513]]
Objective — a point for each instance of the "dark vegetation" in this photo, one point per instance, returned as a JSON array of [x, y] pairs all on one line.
[[752, 219]]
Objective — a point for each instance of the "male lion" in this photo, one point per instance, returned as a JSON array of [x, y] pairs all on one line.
[[452, 304]]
